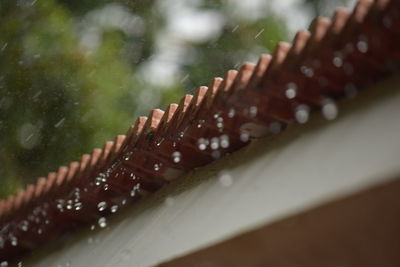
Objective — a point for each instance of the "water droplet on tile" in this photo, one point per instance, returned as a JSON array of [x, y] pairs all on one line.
[[78, 205], [214, 143], [202, 143], [176, 157], [337, 62], [102, 205], [362, 46], [114, 208], [291, 90], [329, 109], [69, 205], [224, 141], [309, 72], [253, 111], [102, 222], [244, 136], [231, 113], [24, 226], [157, 167], [302, 113], [14, 241]]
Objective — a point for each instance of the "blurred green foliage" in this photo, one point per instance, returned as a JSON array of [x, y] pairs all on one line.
[[73, 76]]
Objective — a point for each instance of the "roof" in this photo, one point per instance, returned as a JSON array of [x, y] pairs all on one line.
[[331, 62]]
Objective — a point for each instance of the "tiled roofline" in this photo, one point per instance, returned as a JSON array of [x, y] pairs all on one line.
[[334, 60]]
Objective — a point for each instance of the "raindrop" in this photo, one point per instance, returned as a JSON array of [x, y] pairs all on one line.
[[235, 28], [97, 181], [231, 113], [4, 47], [4, 264], [224, 141], [253, 111], [362, 46], [102, 205], [291, 90], [59, 123], [105, 187], [329, 109], [159, 142], [244, 136], [309, 72], [69, 205], [24, 226], [92, 227], [114, 208], [337, 61], [302, 113], [225, 179], [135, 189], [14, 241], [258, 34], [78, 205], [200, 123], [185, 78], [19, 264], [202, 143], [128, 155], [220, 122], [102, 222], [40, 231], [123, 202], [176, 156], [214, 143], [157, 167]]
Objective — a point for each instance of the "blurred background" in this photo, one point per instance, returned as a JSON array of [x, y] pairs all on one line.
[[75, 73]]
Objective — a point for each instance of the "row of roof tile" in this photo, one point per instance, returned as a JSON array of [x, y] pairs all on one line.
[[334, 60]]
